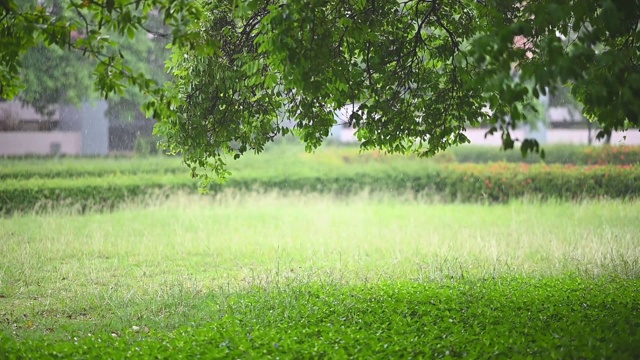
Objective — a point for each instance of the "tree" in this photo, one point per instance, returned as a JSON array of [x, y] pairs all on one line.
[[95, 28], [52, 75], [144, 55], [420, 71]]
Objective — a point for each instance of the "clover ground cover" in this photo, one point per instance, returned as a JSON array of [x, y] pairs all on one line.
[[305, 275]]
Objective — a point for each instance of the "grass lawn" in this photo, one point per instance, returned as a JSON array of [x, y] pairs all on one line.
[[307, 276]]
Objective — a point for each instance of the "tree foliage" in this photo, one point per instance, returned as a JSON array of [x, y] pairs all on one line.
[[52, 75], [416, 73], [144, 55], [103, 30]]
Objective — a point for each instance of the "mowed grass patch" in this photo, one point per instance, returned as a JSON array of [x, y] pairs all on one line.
[[198, 268]]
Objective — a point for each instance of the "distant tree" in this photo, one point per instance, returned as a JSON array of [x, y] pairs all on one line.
[[420, 70], [146, 54], [53, 75]]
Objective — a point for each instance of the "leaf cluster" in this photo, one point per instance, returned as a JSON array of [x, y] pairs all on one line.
[[414, 74], [99, 29]]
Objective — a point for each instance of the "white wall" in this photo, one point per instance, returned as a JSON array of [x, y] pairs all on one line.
[[553, 136], [40, 143]]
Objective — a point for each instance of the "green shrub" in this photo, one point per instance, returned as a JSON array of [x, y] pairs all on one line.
[[502, 181], [496, 182], [81, 167], [146, 145], [100, 193]]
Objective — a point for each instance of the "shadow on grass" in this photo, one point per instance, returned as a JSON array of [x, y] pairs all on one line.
[[511, 317]]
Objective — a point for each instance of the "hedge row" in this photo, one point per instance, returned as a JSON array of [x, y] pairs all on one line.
[[555, 154], [328, 159], [500, 182], [497, 182], [102, 193], [80, 167]]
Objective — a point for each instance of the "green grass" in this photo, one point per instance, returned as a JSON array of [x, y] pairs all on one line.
[[300, 275], [507, 318]]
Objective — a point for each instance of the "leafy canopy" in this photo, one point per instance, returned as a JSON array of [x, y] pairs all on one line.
[[52, 75], [415, 73], [99, 29]]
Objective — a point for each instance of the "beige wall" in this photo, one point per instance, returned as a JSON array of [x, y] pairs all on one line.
[[40, 143]]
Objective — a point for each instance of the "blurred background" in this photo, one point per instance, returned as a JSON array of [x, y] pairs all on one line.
[[59, 113]]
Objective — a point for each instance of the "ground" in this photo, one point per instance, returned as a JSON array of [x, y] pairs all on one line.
[[300, 275]]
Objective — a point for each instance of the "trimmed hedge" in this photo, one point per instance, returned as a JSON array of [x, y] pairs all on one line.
[[497, 182], [81, 167], [500, 182], [555, 154], [101, 193], [286, 157]]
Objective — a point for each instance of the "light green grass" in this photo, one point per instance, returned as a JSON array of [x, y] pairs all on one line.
[[170, 264]]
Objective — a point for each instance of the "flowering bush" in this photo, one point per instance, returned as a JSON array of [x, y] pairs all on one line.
[[504, 181]]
